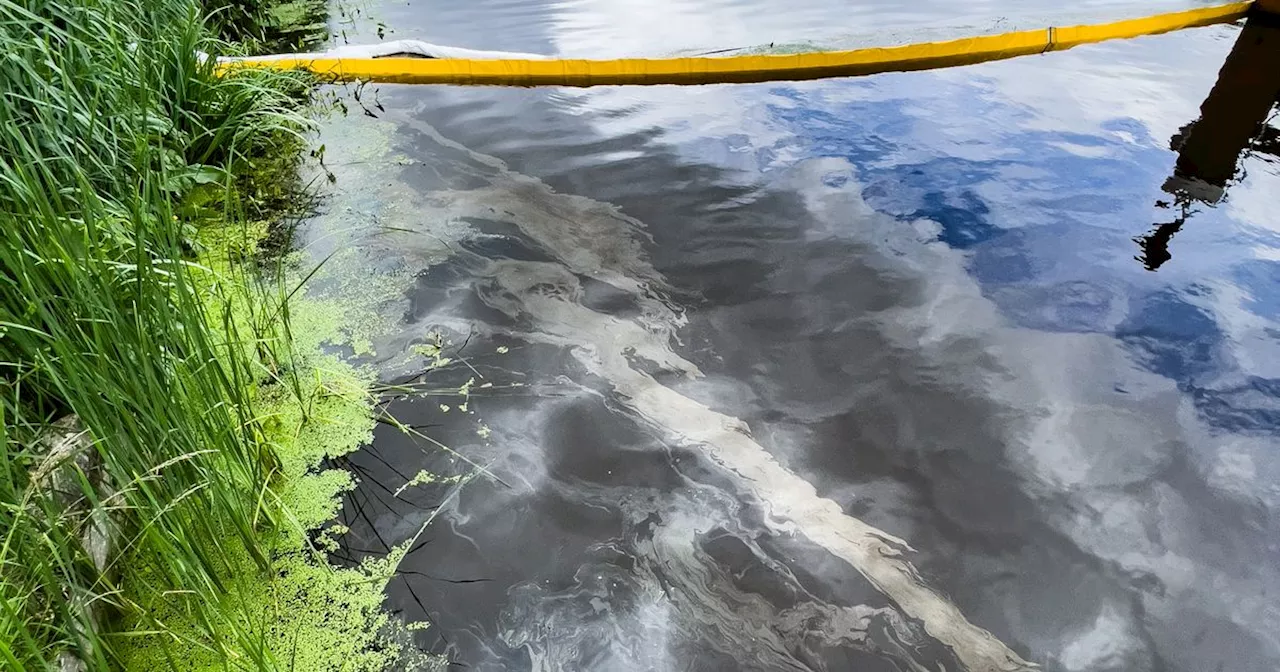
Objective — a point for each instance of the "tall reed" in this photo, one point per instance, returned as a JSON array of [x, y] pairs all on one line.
[[109, 121]]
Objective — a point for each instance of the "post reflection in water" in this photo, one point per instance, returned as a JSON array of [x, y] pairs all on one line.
[[1233, 120]]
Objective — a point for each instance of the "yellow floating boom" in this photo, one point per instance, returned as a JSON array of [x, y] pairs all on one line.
[[741, 69]]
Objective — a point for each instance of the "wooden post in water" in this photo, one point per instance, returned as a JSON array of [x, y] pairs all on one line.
[[1232, 119], [1235, 111], [1272, 6]]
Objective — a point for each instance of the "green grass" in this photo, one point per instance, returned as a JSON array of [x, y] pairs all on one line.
[[116, 143]]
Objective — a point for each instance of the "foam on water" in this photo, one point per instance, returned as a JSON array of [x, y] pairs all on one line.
[[593, 240]]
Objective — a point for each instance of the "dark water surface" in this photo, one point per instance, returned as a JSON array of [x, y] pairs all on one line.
[[865, 374]]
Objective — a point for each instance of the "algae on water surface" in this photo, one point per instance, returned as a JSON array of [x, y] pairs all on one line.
[[313, 615]]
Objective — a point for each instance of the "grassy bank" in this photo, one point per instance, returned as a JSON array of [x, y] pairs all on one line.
[[160, 427]]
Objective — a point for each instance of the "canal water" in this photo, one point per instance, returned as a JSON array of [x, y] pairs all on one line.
[[953, 370]]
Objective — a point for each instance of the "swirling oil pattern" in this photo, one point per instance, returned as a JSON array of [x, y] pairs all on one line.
[[918, 372]]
